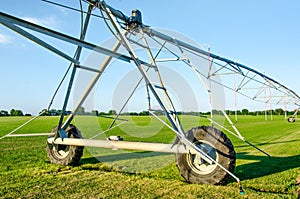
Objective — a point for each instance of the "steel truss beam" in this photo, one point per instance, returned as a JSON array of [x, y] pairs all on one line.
[[11, 22]]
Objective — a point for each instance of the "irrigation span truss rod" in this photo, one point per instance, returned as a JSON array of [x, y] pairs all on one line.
[[10, 134], [254, 79]]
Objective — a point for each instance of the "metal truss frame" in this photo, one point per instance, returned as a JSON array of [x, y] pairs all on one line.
[[245, 78]]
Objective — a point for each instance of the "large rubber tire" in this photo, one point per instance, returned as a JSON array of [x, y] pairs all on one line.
[[65, 154], [291, 119], [218, 146]]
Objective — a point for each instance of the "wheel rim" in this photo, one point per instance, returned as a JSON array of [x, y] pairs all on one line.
[[198, 164], [61, 151]]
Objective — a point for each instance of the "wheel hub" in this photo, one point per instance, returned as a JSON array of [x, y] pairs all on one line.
[[198, 164]]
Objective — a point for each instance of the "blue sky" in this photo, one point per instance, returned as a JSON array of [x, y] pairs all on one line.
[[261, 34]]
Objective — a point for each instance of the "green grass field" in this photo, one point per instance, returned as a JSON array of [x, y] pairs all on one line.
[[26, 172]]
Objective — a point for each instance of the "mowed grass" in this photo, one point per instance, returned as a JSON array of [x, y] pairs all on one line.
[[26, 172]]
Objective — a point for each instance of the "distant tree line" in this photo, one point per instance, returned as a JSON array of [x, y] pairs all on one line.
[[81, 111], [13, 112], [52, 112], [217, 112], [278, 111]]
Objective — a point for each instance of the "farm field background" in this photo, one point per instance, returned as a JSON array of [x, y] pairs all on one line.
[[26, 172]]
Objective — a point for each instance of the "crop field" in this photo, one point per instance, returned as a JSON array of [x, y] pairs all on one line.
[[26, 172]]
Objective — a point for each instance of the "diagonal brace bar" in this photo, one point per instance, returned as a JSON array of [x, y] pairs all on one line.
[[8, 19], [37, 40]]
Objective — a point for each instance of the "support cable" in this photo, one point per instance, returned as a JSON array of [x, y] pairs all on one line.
[[108, 26], [236, 135], [81, 17], [21, 126], [126, 102], [58, 87], [70, 8]]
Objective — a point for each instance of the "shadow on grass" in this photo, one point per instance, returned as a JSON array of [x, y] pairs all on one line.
[[123, 156], [265, 166], [267, 143], [129, 162]]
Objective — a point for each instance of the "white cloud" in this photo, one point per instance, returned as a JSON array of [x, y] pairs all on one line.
[[5, 39], [48, 21]]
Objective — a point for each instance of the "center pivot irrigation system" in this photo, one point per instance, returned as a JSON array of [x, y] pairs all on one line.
[[203, 154]]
